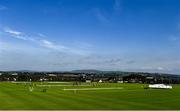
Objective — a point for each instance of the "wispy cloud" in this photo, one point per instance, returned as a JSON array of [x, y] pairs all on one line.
[[26, 37], [14, 33], [41, 35], [3, 7], [48, 44], [51, 45], [43, 42], [160, 68], [101, 16], [104, 16]]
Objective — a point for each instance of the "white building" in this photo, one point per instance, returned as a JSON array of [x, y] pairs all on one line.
[[120, 82], [14, 74], [14, 79], [100, 81], [52, 75], [160, 86], [88, 81]]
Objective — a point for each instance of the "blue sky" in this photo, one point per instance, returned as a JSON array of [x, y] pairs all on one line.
[[58, 35]]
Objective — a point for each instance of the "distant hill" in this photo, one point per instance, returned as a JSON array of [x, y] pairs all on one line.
[[22, 71], [97, 71], [86, 71]]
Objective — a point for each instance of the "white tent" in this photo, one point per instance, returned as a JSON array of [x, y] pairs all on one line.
[[100, 81], [160, 86]]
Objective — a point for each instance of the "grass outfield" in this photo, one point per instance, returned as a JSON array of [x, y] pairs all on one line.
[[106, 96]]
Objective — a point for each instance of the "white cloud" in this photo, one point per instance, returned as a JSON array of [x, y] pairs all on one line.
[[65, 49], [14, 33], [51, 45], [44, 42], [41, 35], [15, 55], [160, 68], [48, 44]]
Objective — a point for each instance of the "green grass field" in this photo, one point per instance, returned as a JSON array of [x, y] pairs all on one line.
[[111, 96]]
